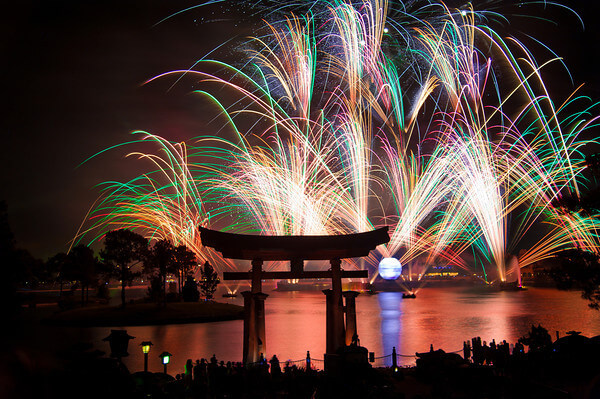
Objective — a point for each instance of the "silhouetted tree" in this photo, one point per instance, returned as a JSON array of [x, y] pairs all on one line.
[[84, 267], [55, 266], [8, 282], [28, 270], [160, 260], [185, 260], [209, 280], [7, 240], [190, 291], [580, 268], [68, 273], [18, 267], [123, 249], [155, 288]]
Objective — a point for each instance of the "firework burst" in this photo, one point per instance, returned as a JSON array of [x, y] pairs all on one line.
[[353, 115]]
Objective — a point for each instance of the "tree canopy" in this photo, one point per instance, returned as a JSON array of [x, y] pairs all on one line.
[[209, 280], [123, 249], [184, 261], [160, 260], [83, 266]]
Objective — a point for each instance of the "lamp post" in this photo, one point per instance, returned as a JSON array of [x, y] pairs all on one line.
[[166, 358], [118, 340], [146, 349]]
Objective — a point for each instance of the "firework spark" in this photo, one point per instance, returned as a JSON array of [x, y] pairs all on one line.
[[355, 115]]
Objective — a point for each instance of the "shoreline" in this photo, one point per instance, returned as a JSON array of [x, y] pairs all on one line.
[[141, 314]]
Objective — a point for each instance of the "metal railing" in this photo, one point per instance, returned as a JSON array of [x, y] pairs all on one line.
[[384, 361], [307, 363]]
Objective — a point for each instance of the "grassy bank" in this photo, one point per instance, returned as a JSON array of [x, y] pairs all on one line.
[[139, 314]]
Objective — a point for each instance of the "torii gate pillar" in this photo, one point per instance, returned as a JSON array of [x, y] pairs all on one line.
[[350, 315], [249, 328], [335, 333], [255, 339]]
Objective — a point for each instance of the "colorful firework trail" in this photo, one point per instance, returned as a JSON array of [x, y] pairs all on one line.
[[353, 115]]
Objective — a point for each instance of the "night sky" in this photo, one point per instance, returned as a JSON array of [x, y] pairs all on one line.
[[72, 75]]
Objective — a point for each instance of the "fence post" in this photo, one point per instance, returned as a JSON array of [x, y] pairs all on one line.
[[394, 361], [307, 360]]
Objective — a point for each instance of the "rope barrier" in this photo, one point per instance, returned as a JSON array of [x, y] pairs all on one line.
[[380, 360]]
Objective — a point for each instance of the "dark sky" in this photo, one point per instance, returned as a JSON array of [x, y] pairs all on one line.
[[72, 79], [71, 86]]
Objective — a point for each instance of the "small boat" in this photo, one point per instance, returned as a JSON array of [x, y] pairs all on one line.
[[229, 295], [513, 286], [409, 295]]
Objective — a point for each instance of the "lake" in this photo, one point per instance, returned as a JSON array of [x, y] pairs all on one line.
[[295, 323]]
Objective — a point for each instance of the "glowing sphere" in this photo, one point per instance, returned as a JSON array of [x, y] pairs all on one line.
[[390, 268]]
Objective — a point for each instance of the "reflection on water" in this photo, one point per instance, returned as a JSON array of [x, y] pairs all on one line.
[[389, 305], [295, 321]]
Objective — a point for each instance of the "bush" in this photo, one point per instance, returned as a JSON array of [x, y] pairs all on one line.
[[155, 289], [190, 291], [102, 292], [66, 301]]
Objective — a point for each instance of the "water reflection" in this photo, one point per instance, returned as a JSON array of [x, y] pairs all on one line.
[[389, 305], [295, 322]]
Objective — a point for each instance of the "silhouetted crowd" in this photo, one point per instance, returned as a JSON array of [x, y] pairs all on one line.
[[219, 379], [564, 368], [493, 354]]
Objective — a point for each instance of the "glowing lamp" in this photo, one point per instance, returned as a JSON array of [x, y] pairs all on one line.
[[390, 268], [166, 358], [145, 349], [146, 346]]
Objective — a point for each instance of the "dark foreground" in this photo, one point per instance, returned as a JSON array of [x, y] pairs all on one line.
[[567, 368]]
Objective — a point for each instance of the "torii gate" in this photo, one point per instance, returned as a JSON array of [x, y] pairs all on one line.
[[295, 249]]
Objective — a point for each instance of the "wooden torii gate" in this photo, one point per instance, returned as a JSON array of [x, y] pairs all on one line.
[[295, 249]]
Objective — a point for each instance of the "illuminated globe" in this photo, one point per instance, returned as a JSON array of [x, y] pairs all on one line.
[[390, 268]]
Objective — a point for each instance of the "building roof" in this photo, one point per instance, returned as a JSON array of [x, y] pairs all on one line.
[[246, 246]]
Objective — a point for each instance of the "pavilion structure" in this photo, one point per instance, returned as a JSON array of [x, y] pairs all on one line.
[[296, 249]]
